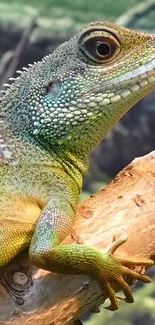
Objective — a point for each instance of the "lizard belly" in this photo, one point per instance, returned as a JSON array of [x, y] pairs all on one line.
[[21, 202]]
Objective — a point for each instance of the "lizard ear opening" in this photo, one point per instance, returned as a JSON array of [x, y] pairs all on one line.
[[99, 46], [53, 88]]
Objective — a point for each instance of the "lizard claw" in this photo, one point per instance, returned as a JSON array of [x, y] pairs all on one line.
[[118, 270], [125, 287]]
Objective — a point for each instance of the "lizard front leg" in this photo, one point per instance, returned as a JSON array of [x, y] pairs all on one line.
[[18, 217], [46, 252]]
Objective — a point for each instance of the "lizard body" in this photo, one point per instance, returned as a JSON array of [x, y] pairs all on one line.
[[51, 117]]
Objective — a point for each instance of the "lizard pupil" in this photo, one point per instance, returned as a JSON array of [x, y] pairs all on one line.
[[102, 49]]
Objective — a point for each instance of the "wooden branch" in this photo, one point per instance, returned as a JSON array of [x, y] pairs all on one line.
[[127, 205]]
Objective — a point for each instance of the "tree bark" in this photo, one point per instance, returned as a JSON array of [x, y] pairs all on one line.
[[127, 206]]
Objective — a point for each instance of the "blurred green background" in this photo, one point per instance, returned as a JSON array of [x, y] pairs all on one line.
[[33, 28]]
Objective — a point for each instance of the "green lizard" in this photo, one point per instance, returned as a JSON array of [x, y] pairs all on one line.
[[51, 117]]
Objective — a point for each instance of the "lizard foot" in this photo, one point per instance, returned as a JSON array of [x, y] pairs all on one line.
[[120, 268], [112, 273]]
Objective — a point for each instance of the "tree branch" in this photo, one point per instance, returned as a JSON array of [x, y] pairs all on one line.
[[15, 56], [127, 205]]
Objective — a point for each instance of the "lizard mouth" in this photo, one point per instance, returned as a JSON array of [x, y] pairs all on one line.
[[140, 80], [134, 81]]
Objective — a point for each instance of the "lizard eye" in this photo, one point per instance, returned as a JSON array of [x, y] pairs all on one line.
[[103, 49], [99, 49]]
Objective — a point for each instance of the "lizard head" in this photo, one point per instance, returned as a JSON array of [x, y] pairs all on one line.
[[76, 94]]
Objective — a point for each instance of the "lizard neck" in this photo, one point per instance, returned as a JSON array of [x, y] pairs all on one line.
[[73, 162], [24, 149]]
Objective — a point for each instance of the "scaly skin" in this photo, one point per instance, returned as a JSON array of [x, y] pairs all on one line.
[[51, 118]]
